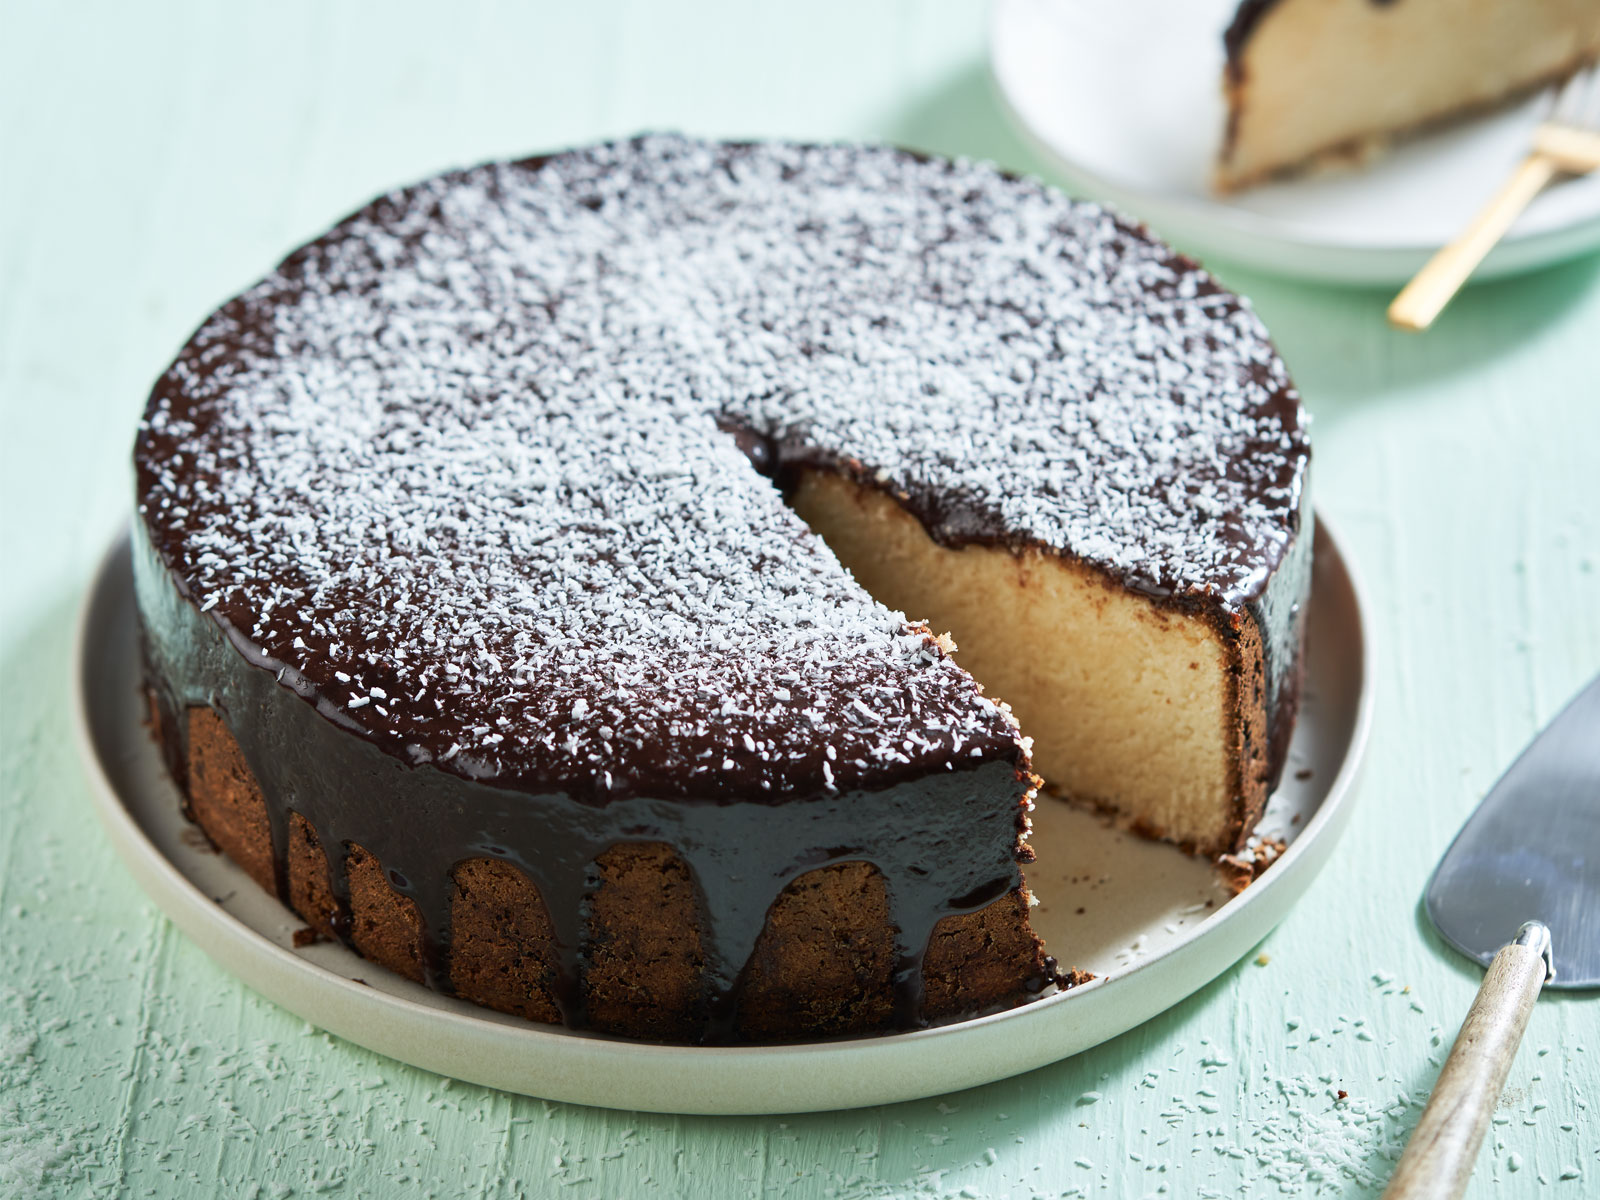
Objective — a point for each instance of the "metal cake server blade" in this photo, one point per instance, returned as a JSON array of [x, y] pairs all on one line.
[[1531, 852], [1529, 857]]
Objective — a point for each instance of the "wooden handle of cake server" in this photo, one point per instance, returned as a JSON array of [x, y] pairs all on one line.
[[1438, 1159], [1430, 290]]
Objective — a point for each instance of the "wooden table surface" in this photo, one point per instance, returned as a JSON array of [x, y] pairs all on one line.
[[156, 159]]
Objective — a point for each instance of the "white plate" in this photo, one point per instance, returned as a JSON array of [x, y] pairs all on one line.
[[1155, 925], [1125, 100]]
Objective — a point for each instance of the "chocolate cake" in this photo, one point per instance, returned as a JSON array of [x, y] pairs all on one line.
[[483, 626], [1308, 81]]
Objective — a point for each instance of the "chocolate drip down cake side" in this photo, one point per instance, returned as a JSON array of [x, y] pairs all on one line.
[[545, 574]]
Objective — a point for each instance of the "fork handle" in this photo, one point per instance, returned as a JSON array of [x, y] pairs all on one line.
[[1438, 1159], [1430, 290]]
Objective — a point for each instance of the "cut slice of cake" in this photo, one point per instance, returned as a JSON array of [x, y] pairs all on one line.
[[1315, 80]]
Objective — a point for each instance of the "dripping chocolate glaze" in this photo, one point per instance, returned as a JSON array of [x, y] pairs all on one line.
[[472, 474], [945, 844]]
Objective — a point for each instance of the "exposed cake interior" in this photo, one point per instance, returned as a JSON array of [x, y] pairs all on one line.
[[1127, 702]]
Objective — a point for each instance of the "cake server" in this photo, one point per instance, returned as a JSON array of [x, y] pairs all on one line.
[[1526, 866]]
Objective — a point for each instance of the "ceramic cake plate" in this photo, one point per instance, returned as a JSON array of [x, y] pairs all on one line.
[[1125, 102], [1150, 923]]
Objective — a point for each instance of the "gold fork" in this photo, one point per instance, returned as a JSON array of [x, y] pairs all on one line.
[[1567, 142]]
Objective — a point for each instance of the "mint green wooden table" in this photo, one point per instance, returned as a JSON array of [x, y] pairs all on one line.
[[152, 162]]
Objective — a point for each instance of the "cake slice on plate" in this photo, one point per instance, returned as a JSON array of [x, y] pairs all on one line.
[[1308, 81]]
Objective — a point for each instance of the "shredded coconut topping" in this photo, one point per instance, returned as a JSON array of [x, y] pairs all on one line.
[[461, 465]]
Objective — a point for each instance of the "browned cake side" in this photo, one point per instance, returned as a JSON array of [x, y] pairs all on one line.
[[822, 966]]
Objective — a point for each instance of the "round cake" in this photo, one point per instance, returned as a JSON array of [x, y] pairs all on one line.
[[545, 577]]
